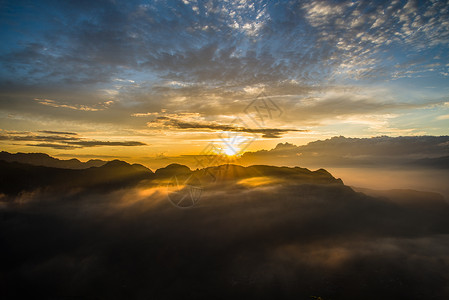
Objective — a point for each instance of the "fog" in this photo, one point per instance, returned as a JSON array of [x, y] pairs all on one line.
[[260, 236], [395, 178]]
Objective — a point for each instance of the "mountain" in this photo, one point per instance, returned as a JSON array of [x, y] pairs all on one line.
[[257, 232], [236, 172], [19, 177], [42, 159], [225, 175], [173, 170]]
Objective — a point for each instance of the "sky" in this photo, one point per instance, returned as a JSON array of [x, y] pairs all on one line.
[[138, 79]]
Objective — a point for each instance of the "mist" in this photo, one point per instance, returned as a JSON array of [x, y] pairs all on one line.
[[259, 233]]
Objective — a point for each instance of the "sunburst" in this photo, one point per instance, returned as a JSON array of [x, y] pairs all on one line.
[[230, 151]]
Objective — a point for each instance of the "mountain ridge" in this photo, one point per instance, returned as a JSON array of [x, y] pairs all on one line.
[[17, 177], [43, 159]]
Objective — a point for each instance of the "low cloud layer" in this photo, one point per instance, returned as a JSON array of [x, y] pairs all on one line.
[[413, 151], [261, 237]]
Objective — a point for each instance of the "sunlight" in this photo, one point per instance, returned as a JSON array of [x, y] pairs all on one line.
[[257, 181], [230, 151]]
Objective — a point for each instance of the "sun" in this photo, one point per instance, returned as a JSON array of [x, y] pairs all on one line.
[[230, 150]]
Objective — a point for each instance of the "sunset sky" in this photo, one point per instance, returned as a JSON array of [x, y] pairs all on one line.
[[140, 79]]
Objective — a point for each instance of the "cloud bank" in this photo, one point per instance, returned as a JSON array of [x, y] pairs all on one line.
[[413, 151]]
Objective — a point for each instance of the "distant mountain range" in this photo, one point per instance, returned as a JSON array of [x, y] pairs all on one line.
[[42, 159], [27, 172], [18, 177]]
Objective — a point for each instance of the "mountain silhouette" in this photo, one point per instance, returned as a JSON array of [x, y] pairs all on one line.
[[42, 159], [237, 172], [173, 170], [19, 177], [16, 177]]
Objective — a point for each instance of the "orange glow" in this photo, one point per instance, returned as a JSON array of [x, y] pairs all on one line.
[[257, 181]]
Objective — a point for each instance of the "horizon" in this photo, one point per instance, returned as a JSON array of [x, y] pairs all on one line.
[[378, 163], [148, 160]]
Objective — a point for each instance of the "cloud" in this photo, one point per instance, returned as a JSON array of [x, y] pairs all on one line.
[[286, 237], [58, 132], [54, 103], [53, 145], [198, 126], [382, 151], [59, 138], [213, 44], [64, 140], [106, 143]]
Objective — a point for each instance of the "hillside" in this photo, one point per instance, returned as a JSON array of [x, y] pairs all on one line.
[[42, 159], [18, 177]]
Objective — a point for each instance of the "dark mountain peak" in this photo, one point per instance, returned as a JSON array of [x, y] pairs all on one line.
[[116, 164], [139, 167], [172, 170], [287, 174], [35, 154], [296, 174], [224, 172], [123, 165], [94, 161], [18, 177], [322, 171], [45, 160], [74, 160], [176, 166], [20, 155]]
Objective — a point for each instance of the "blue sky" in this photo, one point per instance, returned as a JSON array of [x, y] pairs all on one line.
[[135, 70]]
